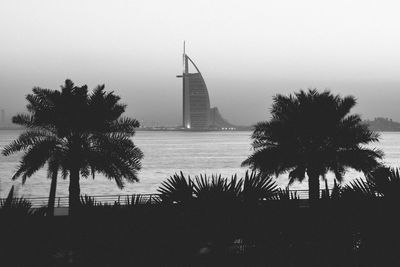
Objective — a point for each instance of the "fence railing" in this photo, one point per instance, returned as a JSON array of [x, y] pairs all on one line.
[[63, 201]]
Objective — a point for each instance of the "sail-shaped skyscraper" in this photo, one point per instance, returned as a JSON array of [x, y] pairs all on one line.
[[196, 102], [197, 114]]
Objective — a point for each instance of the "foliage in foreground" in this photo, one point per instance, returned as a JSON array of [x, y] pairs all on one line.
[[257, 187], [15, 205], [134, 200], [18, 206], [247, 235], [381, 183], [254, 187]]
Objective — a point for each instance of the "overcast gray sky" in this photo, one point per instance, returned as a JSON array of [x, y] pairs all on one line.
[[247, 51]]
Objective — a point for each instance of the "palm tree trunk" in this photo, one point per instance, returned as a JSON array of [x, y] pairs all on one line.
[[74, 190], [313, 185], [52, 195]]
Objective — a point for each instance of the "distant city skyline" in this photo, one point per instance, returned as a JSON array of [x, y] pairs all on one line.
[[248, 52]]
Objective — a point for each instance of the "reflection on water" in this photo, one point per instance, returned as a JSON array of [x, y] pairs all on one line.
[[166, 153]]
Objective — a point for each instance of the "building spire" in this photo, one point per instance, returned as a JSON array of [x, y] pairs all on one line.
[[183, 58]]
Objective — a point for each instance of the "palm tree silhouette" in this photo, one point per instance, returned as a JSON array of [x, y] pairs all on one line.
[[77, 134], [312, 133]]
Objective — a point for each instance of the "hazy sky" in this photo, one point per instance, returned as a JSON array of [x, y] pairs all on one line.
[[247, 51]]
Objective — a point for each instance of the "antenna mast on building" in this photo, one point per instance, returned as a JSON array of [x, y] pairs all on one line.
[[183, 57]]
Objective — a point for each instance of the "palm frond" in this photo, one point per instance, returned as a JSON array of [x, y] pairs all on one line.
[[360, 159], [359, 189], [216, 189], [124, 125], [35, 158], [15, 206], [177, 189], [26, 120], [135, 200], [386, 182], [258, 186], [26, 140], [88, 201]]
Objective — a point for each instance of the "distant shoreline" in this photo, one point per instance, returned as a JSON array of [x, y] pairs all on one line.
[[172, 129], [166, 129], [181, 130], [176, 129]]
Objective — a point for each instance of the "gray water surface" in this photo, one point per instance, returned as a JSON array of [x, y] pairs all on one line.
[[168, 152]]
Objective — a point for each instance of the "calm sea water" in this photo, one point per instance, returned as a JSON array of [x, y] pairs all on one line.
[[165, 154]]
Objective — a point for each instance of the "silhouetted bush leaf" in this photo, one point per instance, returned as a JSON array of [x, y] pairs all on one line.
[[258, 186], [176, 189]]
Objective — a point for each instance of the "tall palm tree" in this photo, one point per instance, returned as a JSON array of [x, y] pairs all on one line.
[[312, 133], [76, 133]]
